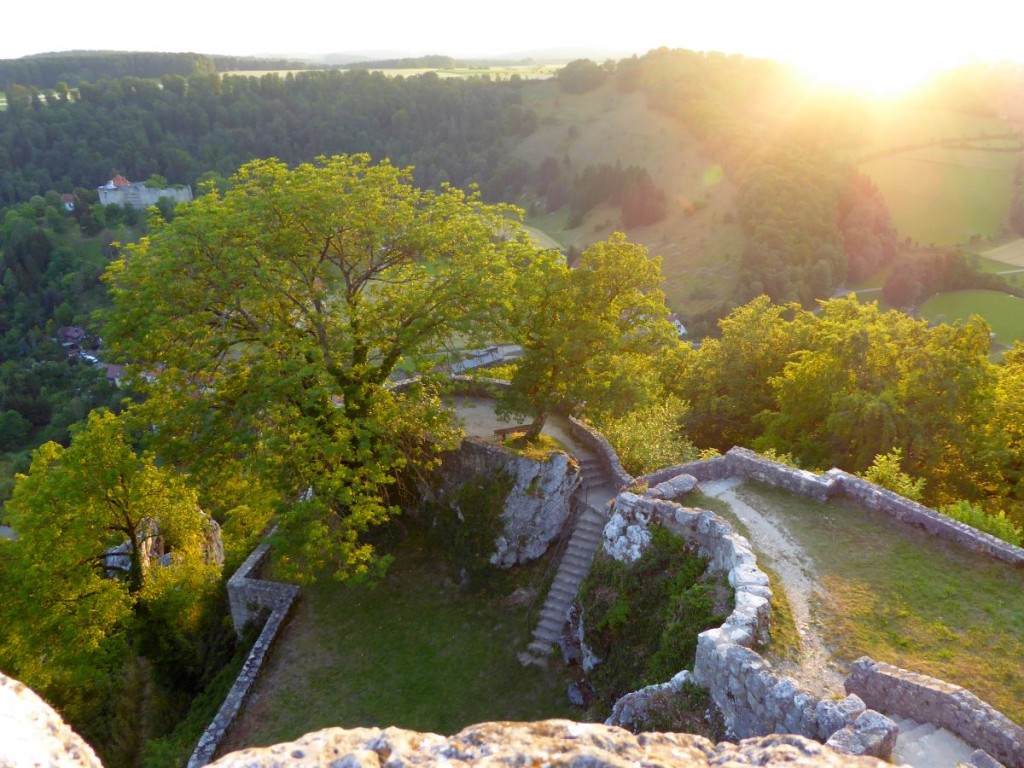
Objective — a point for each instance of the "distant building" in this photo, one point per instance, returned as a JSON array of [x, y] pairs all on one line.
[[69, 202], [120, 191], [678, 323]]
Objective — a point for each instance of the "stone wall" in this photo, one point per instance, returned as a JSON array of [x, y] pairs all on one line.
[[598, 443], [949, 706], [741, 462], [250, 598], [753, 698], [537, 505]]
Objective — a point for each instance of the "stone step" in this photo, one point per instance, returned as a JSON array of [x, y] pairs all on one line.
[[539, 647]]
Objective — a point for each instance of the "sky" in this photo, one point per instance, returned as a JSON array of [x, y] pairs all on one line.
[[874, 38]]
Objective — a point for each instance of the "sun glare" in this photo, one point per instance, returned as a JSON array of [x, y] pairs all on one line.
[[869, 77]]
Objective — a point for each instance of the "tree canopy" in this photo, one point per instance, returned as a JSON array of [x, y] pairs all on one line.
[[272, 318]]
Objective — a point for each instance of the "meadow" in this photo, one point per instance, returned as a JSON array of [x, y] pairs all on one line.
[[945, 195], [1003, 312], [413, 650]]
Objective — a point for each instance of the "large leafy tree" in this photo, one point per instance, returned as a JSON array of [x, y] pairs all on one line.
[[72, 613], [273, 317], [591, 335]]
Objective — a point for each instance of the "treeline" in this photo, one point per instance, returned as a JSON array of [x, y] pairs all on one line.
[[630, 189], [848, 383], [452, 130], [48, 69], [922, 275], [415, 62]]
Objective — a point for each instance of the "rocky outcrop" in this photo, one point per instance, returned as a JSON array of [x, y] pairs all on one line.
[[551, 742], [32, 734], [537, 504]]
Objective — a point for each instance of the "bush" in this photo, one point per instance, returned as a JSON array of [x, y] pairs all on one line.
[[643, 618], [997, 524]]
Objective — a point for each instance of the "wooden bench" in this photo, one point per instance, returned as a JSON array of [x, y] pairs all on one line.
[[506, 431]]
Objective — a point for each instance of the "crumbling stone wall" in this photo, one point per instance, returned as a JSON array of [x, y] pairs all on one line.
[[599, 444], [741, 462], [927, 700]]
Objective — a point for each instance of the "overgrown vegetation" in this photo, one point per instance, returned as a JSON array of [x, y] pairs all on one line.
[[465, 530], [642, 619]]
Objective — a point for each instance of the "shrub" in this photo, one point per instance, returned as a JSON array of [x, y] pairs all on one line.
[[997, 524], [643, 618]]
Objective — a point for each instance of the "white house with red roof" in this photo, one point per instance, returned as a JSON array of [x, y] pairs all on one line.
[[121, 191]]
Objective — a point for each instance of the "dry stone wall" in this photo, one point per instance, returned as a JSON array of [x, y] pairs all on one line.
[[597, 443], [927, 700], [250, 598], [740, 462], [753, 698]]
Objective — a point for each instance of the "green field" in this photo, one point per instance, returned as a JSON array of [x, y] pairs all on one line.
[[1008, 255], [1003, 312], [945, 196]]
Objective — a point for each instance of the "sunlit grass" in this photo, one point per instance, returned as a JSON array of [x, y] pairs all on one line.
[[898, 595], [1003, 312]]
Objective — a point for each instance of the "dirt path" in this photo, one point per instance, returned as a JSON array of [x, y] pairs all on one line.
[[815, 669]]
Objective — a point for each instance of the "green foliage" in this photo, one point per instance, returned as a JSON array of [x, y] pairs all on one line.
[[466, 530], [886, 471], [995, 523], [650, 437], [74, 618], [589, 335], [643, 619], [279, 311]]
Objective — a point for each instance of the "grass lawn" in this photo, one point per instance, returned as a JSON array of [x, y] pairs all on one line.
[[898, 595], [413, 651], [945, 196], [1005, 313]]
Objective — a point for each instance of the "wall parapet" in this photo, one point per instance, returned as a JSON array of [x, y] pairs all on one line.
[[249, 599], [927, 700], [599, 444], [753, 698], [744, 463]]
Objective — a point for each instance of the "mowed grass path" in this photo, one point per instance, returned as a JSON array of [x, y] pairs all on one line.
[[1005, 313], [898, 595], [413, 651]]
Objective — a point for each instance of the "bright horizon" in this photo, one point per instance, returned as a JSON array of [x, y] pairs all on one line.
[[878, 45]]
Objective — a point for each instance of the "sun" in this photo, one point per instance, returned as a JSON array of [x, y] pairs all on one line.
[[869, 77]]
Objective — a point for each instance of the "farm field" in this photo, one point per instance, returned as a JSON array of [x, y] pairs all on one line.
[[945, 196], [1011, 253], [1005, 313]]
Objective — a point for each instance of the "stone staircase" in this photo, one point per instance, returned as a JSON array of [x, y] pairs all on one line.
[[922, 745], [586, 537]]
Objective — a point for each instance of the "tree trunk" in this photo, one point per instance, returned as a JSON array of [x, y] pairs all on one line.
[[536, 426]]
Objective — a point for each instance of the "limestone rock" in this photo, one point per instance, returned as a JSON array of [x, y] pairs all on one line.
[[551, 742], [835, 715], [872, 733], [32, 734], [680, 485]]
